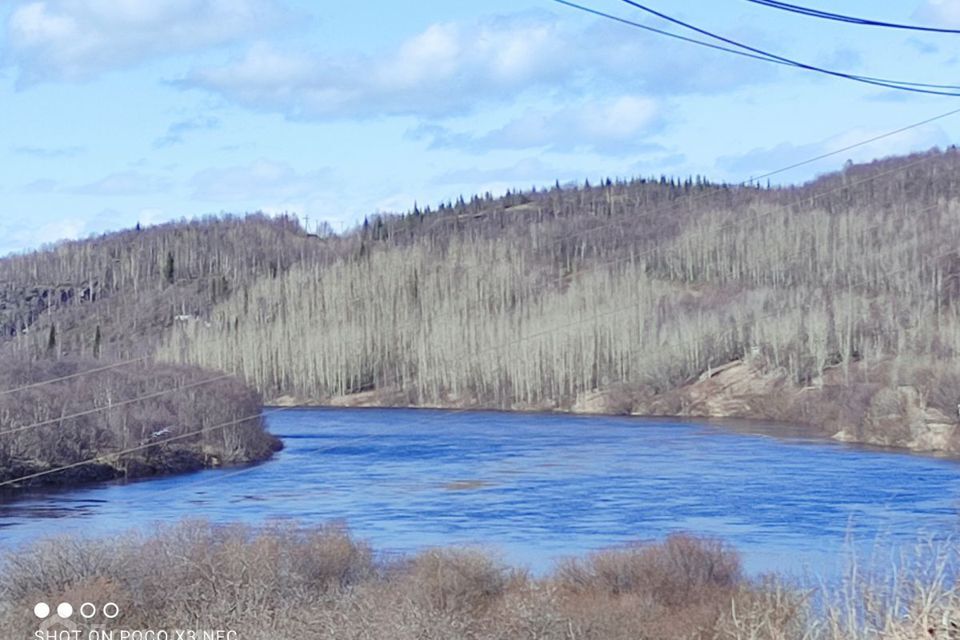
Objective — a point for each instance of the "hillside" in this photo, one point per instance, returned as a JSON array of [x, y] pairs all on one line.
[[832, 304], [837, 299], [86, 312]]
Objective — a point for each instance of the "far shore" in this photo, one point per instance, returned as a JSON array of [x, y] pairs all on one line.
[[755, 426]]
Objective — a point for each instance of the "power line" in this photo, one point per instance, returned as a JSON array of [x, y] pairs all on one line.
[[692, 197], [757, 55], [95, 410], [115, 454], [763, 56], [801, 163], [72, 376], [812, 198], [225, 475], [501, 347], [538, 334], [653, 251], [838, 17], [445, 415], [645, 27], [855, 145], [890, 84], [650, 252]]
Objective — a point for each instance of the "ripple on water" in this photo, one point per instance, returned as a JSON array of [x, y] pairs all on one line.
[[539, 487]]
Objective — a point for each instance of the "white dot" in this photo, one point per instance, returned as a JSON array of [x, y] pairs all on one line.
[[42, 610], [64, 610]]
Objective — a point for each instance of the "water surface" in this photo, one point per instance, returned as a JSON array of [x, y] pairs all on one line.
[[539, 487]]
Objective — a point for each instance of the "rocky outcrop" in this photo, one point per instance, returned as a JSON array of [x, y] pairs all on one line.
[[832, 406], [900, 418]]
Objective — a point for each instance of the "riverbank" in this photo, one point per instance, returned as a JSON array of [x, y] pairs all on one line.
[[285, 582], [165, 460], [69, 422], [836, 406]]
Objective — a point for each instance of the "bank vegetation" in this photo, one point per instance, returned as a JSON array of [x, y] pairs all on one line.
[[127, 422], [282, 582]]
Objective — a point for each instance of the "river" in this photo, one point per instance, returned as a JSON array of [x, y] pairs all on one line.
[[537, 488]]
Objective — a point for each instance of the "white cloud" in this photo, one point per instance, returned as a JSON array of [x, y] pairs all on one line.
[[78, 39], [528, 171], [16, 236], [123, 183], [620, 125], [151, 216], [41, 185], [940, 13], [451, 68], [257, 184], [48, 152], [176, 131], [763, 160]]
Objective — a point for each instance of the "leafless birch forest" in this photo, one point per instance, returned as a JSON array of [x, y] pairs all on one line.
[[837, 300]]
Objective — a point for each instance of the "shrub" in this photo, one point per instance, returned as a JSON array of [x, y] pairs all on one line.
[[280, 581], [460, 580], [134, 407], [671, 572]]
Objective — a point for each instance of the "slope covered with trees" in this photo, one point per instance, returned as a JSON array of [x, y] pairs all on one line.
[[73, 312], [833, 303], [126, 422], [113, 296]]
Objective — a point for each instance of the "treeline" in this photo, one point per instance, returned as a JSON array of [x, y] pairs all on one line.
[[637, 288], [113, 295], [478, 325], [83, 305], [124, 422], [845, 287]]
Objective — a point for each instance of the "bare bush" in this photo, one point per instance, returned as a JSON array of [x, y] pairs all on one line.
[[169, 417], [671, 572], [280, 581], [455, 581]]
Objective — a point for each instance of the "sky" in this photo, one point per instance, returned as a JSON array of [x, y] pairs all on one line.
[[118, 112]]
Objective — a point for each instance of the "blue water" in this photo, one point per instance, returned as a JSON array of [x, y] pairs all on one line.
[[540, 487]]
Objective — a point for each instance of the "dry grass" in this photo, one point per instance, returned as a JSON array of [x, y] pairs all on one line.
[[282, 582]]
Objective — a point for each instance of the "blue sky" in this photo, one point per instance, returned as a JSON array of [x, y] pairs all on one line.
[[115, 112]]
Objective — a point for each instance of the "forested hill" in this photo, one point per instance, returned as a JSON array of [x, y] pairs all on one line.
[[833, 303], [81, 313]]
